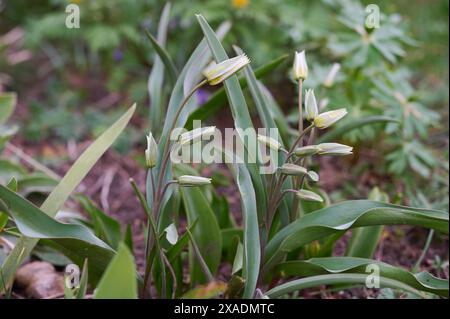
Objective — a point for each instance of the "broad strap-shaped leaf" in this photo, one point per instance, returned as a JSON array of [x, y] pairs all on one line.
[[336, 133], [240, 114], [206, 232], [333, 279], [159, 43], [76, 238], [252, 250], [156, 78], [120, 278], [62, 191], [344, 216], [364, 240], [219, 98], [332, 265]]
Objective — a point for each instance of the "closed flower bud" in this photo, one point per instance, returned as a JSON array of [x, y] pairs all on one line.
[[311, 105], [196, 135], [313, 176], [332, 75], [327, 119], [300, 68], [269, 142], [191, 180], [217, 73], [151, 153], [334, 149], [292, 169], [308, 196], [306, 150]]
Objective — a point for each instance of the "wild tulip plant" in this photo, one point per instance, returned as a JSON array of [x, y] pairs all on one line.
[[285, 215], [289, 226]]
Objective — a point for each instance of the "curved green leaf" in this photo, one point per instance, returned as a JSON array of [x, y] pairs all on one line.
[[317, 266], [347, 215], [62, 191], [334, 134], [162, 60], [240, 114], [331, 279], [158, 44], [34, 223], [252, 250]]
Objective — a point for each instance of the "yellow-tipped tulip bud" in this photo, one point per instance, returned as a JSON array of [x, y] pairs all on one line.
[[196, 135], [217, 73], [300, 68], [192, 180], [151, 153], [269, 142], [327, 119], [292, 169], [308, 196], [311, 105], [334, 149]]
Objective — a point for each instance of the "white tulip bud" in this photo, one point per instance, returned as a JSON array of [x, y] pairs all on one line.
[[327, 119], [306, 150], [313, 176], [300, 68], [292, 169], [269, 142], [217, 73], [311, 105], [196, 135], [191, 180], [308, 195], [151, 153], [334, 149]]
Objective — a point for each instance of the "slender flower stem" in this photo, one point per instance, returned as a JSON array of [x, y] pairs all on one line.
[[153, 181], [291, 151], [300, 107]]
